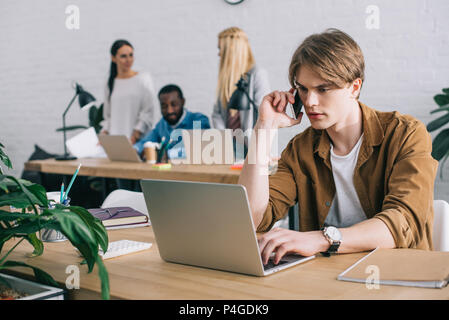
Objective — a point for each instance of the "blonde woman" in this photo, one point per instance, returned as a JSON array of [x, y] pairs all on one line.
[[236, 59]]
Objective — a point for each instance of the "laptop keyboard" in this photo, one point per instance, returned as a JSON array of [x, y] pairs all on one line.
[[271, 264]]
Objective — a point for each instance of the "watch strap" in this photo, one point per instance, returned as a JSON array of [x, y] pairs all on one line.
[[332, 249]]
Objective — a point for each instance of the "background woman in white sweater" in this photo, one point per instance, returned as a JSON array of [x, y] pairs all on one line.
[[129, 96]]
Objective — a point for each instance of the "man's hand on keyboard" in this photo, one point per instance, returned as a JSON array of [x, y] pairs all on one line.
[[283, 241]]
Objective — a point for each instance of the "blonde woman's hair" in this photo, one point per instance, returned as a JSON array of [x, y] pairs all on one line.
[[236, 59], [333, 55]]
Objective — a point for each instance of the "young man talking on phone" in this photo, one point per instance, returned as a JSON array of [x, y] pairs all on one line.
[[362, 178]]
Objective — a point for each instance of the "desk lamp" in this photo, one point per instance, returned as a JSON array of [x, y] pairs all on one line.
[[85, 99], [240, 99]]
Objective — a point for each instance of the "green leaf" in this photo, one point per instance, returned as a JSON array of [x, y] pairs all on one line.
[[440, 145], [3, 239], [104, 277], [440, 109], [446, 91], [92, 115], [15, 199], [70, 128], [442, 164], [22, 184], [438, 123], [96, 226], [4, 158], [78, 233], [441, 99], [12, 216], [3, 183], [99, 115], [37, 244], [40, 275], [26, 227], [40, 193]]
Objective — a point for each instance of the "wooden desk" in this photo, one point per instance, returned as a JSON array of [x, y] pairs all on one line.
[[129, 170], [145, 275]]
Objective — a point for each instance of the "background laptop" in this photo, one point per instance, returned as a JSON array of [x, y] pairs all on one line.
[[207, 225], [118, 148]]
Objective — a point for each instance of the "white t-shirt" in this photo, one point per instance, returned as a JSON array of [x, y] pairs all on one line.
[[346, 209], [131, 105]]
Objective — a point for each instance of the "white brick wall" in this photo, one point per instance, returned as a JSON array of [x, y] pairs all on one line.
[[176, 40]]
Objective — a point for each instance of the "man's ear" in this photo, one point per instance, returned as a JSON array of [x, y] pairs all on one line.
[[183, 101], [356, 86]]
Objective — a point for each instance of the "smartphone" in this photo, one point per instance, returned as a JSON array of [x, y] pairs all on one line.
[[297, 105]]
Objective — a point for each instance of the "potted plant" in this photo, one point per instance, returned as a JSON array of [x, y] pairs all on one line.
[[85, 232], [440, 145]]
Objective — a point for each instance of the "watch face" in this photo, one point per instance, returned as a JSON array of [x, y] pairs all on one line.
[[333, 233]]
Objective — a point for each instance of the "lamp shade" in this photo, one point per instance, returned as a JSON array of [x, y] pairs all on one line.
[[239, 99], [85, 99]]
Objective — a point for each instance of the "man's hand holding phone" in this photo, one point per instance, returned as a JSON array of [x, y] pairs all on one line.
[[272, 110]]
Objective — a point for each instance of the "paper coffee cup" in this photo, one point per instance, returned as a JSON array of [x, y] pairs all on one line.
[[149, 150]]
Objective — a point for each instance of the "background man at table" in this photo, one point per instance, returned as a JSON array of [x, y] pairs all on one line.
[[367, 176], [174, 117]]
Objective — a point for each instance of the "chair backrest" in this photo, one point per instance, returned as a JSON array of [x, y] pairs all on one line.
[[441, 225], [125, 198]]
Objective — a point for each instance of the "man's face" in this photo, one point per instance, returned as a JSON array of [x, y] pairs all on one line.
[[325, 104], [171, 106]]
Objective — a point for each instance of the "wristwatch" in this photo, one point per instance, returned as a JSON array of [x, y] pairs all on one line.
[[332, 235]]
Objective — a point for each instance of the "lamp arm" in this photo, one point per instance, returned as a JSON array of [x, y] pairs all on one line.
[[70, 104], [252, 102], [63, 121]]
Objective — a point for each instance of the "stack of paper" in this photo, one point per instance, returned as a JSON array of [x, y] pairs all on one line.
[[86, 145]]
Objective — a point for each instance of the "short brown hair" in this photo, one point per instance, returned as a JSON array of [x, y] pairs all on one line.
[[333, 54]]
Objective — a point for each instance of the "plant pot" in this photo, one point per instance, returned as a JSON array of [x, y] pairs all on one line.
[[34, 291]]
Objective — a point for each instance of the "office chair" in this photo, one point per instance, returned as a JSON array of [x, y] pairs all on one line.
[[441, 226]]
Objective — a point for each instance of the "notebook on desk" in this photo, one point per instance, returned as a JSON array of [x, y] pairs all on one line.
[[118, 148], [401, 267], [207, 225]]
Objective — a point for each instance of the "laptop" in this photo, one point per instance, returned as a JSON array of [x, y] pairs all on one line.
[[118, 148], [207, 225]]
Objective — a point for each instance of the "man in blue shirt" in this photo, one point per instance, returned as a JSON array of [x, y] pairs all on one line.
[[174, 117]]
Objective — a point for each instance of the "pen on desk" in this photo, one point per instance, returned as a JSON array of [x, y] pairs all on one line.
[[167, 145], [71, 183], [62, 193]]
